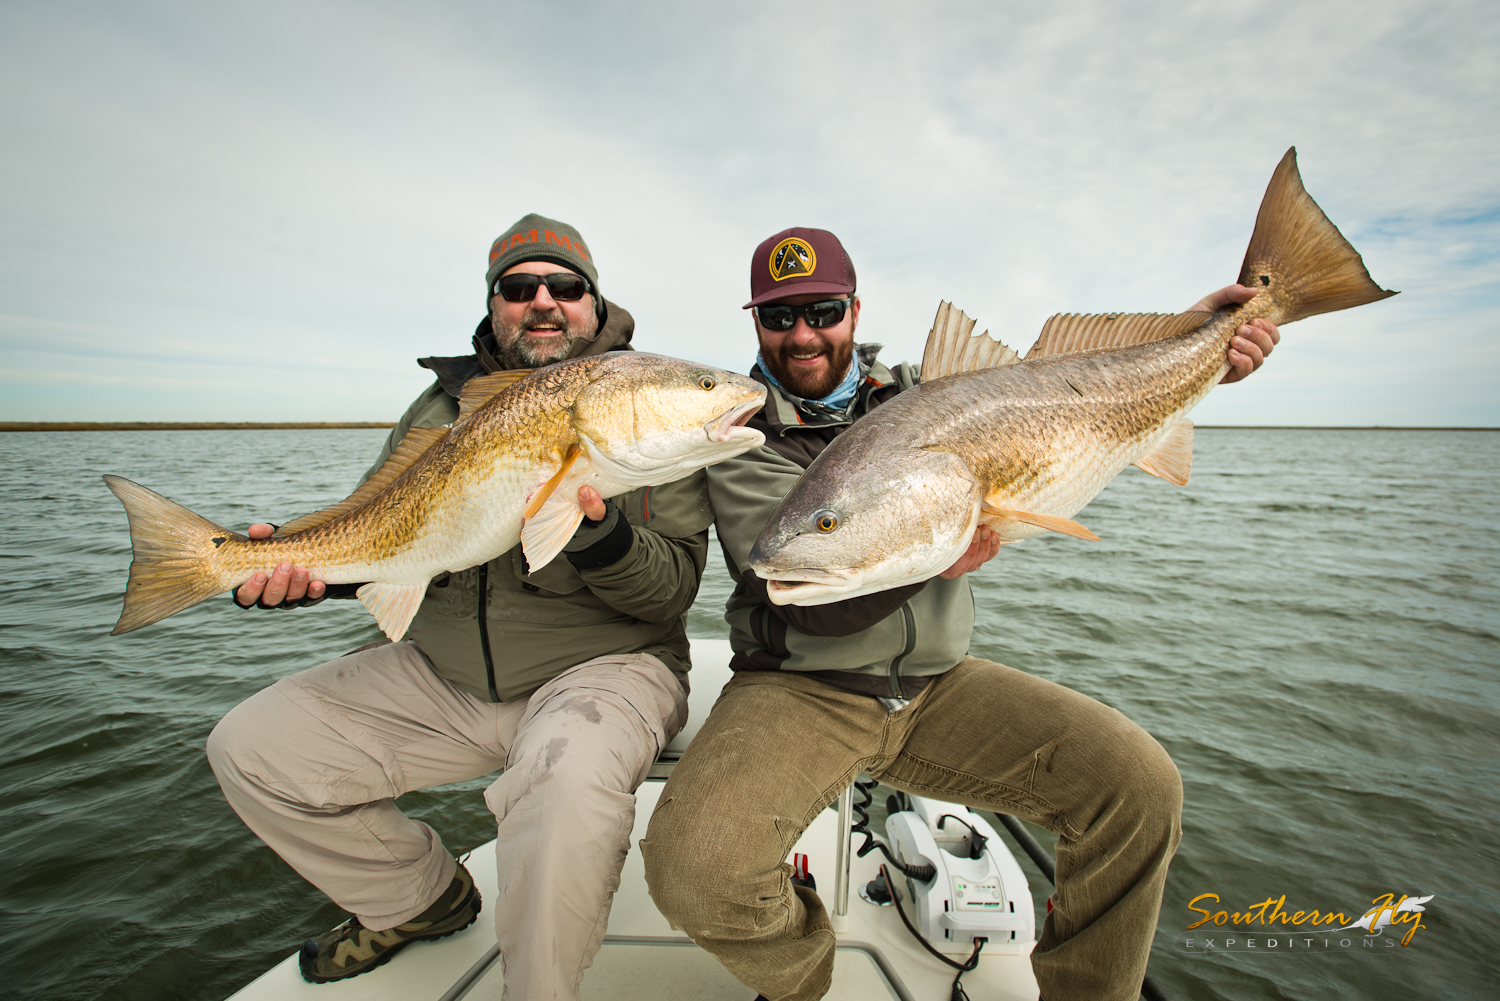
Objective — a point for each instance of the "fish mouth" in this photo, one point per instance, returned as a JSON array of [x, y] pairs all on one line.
[[807, 586], [724, 427]]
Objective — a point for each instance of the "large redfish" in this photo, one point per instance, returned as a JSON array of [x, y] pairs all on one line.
[[1022, 446], [454, 497]]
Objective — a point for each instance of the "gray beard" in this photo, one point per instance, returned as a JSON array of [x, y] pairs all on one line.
[[518, 349]]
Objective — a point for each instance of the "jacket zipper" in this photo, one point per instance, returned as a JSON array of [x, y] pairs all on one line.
[[911, 644], [484, 629]]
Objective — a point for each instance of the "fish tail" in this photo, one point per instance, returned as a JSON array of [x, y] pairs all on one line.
[[1300, 256], [173, 555]]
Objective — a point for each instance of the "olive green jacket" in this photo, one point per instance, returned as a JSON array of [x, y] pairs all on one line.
[[885, 644], [499, 633]]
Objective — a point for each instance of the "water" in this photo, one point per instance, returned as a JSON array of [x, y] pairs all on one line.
[[1310, 628]]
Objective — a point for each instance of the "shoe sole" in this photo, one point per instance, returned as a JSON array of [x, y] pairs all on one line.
[[312, 977]]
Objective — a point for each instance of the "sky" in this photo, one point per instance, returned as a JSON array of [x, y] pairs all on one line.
[[267, 211]]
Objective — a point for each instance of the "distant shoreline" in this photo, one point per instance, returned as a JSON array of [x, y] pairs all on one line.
[[324, 425], [186, 425]]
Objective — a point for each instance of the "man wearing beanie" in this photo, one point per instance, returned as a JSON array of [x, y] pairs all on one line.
[[571, 677], [883, 684]]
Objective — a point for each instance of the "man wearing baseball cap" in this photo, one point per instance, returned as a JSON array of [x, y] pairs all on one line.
[[883, 684], [571, 677]]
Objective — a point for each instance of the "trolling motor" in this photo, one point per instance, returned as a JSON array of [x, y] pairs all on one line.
[[973, 891]]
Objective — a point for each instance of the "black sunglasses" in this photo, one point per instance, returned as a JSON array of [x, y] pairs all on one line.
[[564, 286], [828, 313]]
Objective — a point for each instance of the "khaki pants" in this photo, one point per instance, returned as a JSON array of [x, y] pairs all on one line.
[[313, 763], [778, 748]]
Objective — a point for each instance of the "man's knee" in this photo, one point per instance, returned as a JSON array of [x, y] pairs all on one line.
[[700, 882], [1148, 783], [231, 744]]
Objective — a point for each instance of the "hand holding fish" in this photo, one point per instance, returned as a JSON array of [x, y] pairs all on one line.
[[592, 504], [982, 549], [1252, 342], [286, 583]]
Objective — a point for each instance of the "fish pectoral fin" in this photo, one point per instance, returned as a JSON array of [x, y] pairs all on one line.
[[417, 443], [1051, 523], [393, 605], [1070, 333], [952, 348], [483, 388], [543, 536], [551, 517], [1172, 457], [540, 497]]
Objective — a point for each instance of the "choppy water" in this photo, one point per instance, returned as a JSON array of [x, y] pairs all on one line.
[[1310, 627]]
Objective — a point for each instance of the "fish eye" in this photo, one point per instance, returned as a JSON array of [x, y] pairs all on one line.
[[825, 521], [707, 381]]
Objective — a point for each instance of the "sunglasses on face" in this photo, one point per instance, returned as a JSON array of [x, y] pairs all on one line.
[[564, 286], [828, 313]]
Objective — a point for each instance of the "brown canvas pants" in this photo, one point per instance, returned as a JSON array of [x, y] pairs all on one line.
[[313, 763], [778, 748]]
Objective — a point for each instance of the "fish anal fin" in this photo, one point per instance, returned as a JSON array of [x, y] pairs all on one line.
[[393, 605], [482, 388], [952, 346], [1051, 523], [416, 443], [1172, 457], [1070, 333], [545, 491]]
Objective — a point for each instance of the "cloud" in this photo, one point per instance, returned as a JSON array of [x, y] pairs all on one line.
[[294, 203]]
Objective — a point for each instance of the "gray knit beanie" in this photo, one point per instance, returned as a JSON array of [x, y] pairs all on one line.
[[537, 238]]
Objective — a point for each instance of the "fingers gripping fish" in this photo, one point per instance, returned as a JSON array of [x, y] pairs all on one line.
[[450, 498], [1022, 445]]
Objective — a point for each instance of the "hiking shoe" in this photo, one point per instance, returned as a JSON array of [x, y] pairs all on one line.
[[351, 948]]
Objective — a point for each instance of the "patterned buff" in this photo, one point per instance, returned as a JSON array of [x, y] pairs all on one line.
[[837, 404]]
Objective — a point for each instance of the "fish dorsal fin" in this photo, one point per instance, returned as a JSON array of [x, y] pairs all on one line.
[[1172, 457], [393, 605], [482, 388], [1070, 333], [952, 349], [1050, 522], [413, 446]]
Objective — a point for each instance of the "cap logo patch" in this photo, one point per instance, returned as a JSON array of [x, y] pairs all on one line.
[[792, 257]]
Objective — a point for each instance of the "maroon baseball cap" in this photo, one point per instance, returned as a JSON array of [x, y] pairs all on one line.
[[799, 261]]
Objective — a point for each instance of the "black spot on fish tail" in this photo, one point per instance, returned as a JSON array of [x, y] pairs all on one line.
[[219, 540], [1265, 279]]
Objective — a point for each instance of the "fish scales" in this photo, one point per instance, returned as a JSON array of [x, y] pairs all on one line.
[[430, 499]]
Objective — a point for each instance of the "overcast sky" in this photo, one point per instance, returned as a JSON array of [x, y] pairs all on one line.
[[267, 211]]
